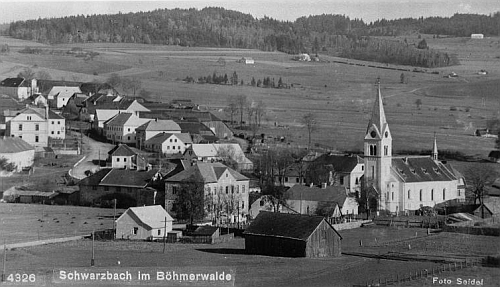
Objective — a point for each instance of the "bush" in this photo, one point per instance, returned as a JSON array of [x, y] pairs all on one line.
[[453, 108]]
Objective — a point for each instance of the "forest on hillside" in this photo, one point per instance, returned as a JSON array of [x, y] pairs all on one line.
[[218, 27]]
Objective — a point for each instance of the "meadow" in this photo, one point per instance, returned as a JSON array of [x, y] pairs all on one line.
[[340, 95]]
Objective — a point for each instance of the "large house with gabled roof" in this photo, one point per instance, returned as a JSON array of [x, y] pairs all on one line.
[[404, 183], [122, 156], [144, 223], [121, 128], [224, 189], [17, 152], [17, 88], [167, 143], [153, 127]]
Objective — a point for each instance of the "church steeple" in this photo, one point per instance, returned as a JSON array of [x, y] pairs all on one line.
[[378, 119], [435, 149]]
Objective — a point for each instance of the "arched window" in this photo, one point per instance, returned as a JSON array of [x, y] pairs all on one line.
[[444, 193], [432, 194], [374, 150], [371, 150], [420, 195], [409, 194]]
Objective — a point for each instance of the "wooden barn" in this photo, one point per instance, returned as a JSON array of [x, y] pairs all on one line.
[[292, 235]]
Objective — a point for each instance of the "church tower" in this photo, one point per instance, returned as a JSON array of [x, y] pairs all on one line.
[[435, 149], [378, 150]]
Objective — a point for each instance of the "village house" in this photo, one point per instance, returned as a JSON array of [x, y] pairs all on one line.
[[17, 152], [489, 209], [122, 156], [292, 235], [247, 60], [104, 112], [494, 156], [17, 88], [153, 127], [166, 143], [263, 203], [37, 100], [223, 188], [199, 132], [330, 201], [129, 187], [218, 127], [59, 96], [144, 223], [121, 128], [344, 170], [75, 107], [223, 152], [405, 183], [35, 125]]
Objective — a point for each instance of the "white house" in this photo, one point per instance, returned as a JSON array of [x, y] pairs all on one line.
[[405, 183], [144, 223], [264, 203], [122, 156], [226, 191], [16, 151], [154, 127], [121, 127], [61, 94], [167, 143], [247, 60], [477, 36]]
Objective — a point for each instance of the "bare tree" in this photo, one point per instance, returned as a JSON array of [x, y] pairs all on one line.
[[478, 177], [27, 73], [260, 111], [232, 108], [241, 102], [309, 121], [132, 85], [114, 80]]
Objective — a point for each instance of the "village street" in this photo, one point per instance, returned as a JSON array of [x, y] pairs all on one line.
[[92, 150]]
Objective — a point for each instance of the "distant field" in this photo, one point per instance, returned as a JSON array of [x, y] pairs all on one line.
[[340, 95]]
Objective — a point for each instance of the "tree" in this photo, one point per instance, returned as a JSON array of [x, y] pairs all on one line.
[[190, 202], [43, 75], [114, 80], [241, 103], [422, 45], [27, 73], [418, 103], [310, 123], [232, 108], [478, 177], [6, 165], [253, 83], [234, 78], [144, 93], [402, 78], [132, 85]]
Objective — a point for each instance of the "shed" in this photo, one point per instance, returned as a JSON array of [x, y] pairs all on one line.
[[494, 156], [205, 234], [143, 223], [292, 235], [491, 208]]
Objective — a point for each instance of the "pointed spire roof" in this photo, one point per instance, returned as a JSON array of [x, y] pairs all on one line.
[[435, 149], [378, 115]]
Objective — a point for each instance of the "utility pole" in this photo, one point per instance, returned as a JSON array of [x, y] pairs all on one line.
[[92, 261], [164, 235], [114, 220], [4, 261]]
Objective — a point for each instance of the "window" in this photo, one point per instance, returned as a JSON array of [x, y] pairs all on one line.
[[117, 159], [232, 189], [242, 189], [124, 159], [286, 178], [341, 179], [128, 138], [409, 191], [357, 180], [174, 189], [20, 127], [444, 193], [179, 147], [37, 127], [106, 188], [168, 147], [58, 122], [170, 140], [373, 172], [58, 132], [36, 139], [173, 147], [237, 189], [392, 196], [175, 140], [242, 204], [128, 129], [20, 136], [432, 194], [227, 189], [159, 232], [52, 132], [52, 122], [420, 195], [362, 168], [386, 150], [459, 192], [28, 118], [297, 180], [135, 230]]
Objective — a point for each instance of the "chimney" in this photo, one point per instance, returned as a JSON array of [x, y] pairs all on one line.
[[46, 112]]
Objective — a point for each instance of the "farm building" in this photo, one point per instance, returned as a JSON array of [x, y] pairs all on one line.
[[247, 61], [292, 235], [16, 151], [205, 234], [22, 195], [18, 88], [477, 36], [494, 156], [144, 223], [491, 208]]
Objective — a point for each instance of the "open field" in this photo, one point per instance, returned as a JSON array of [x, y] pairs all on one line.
[[340, 95], [29, 222]]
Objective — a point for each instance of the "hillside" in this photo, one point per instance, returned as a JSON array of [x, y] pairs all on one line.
[[217, 27]]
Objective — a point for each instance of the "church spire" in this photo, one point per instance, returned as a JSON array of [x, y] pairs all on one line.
[[435, 149], [378, 115]]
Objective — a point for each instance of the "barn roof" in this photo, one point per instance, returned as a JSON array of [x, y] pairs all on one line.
[[12, 82], [421, 169], [205, 230], [205, 172], [14, 145], [494, 154], [159, 125], [329, 194], [162, 137], [340, 163], [119, 177], [286, 225], [153, 216]]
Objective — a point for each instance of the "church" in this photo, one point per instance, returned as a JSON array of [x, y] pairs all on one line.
[[405, 183]]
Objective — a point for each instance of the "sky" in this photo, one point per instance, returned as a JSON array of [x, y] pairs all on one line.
[[368, 10]]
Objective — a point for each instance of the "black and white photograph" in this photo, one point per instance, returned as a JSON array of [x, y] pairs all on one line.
[[350, 143]]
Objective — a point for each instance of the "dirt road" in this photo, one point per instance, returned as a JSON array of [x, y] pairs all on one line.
[[92, 150]]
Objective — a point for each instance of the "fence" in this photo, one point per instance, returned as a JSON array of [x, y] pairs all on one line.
[[397, 279], [418, 223]]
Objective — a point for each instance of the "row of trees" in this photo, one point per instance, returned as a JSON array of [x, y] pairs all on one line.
[[253, 110]]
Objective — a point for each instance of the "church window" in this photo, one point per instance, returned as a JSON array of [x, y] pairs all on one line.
[[357, 180], [420, 195], [432, 194], [444, 193], [362, 167], [409, 191], [373, 172], [374, 150], [386, 150], [371, 150], [341, 179], [392, 195]]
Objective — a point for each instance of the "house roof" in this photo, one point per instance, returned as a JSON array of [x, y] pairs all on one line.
[[492, 204], [205, 172], [119, 177], [180, 114], [420, 169], [153, 216], [162, 137], [329, 194], [159, 125], [63, 91], [205, 230], [286, 225], [121, 150], [340, 163], [195, 128], [12, 82], [13, 145], [494, 154], [33, 110], [104, 115], [118, 120]]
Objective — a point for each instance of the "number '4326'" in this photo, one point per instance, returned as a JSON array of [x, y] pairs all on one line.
[[21, 278]]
